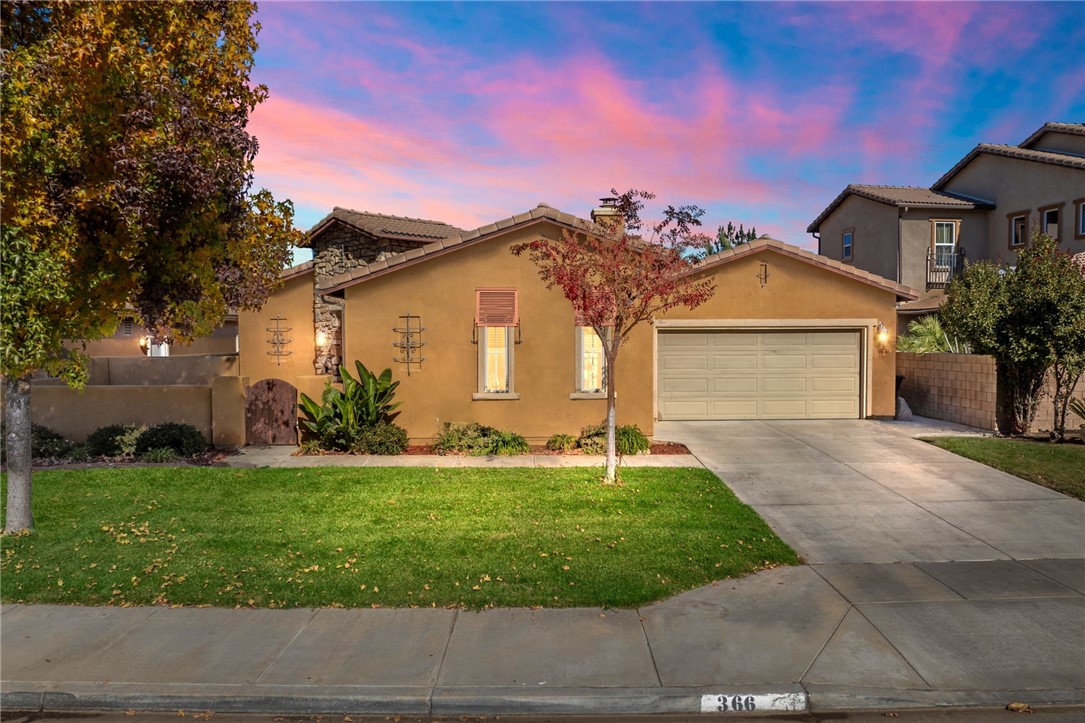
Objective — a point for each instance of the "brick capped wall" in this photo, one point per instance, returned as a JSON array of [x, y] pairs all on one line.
[[961, 388]]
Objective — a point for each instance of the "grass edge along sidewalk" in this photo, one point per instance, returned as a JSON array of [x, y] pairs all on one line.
[[1060, 467], [390, 537]]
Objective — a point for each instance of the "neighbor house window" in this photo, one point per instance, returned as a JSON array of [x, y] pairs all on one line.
[[1018, 229], [497, 314], [1049, 221], [591, 361], [944, 242], [1079, 216], [847, 240], [126, 327]]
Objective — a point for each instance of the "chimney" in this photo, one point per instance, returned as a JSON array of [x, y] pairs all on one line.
[[607, 214]]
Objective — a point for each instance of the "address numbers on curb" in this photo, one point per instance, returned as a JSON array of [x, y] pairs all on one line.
[[752, 703]]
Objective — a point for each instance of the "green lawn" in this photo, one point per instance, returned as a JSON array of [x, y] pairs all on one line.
[[393, 537], [1058, 466]]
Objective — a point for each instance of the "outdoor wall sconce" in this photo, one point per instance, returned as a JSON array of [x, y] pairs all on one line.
[[144, 343], [322, 339], [881, 338]]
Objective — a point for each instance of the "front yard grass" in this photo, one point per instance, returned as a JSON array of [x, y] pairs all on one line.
[[393, 537], [1060, 467]]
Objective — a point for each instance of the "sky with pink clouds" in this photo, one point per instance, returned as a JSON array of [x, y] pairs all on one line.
[[759, 112]]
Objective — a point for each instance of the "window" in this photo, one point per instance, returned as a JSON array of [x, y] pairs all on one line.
[[847, 240], [126, 327], [1018, 229], [591, 362], [1079, 229], [497, 314], [1049, 221], [495, 375], [944, 242]]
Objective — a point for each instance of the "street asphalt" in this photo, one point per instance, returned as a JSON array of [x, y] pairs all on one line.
[[930, 581]]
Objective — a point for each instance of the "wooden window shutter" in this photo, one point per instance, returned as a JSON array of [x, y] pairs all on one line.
[[497, 307]]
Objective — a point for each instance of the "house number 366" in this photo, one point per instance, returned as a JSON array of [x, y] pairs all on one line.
[[735, 703]]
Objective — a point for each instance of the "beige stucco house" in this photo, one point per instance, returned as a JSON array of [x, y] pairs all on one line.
[[985, 207], [473, 335]]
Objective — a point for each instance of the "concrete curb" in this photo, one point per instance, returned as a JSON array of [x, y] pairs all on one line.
[[508, 701]]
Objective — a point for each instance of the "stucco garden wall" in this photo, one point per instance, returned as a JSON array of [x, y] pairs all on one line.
[[961, 388]]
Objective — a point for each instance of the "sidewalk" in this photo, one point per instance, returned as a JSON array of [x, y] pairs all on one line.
[[834, 635]]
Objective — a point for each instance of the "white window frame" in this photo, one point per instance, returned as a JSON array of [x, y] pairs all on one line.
[[955, 226], [1018, 241], [580, 392], [1057, 210], [847, 244]]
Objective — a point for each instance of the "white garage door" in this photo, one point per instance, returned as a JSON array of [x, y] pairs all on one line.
[[758, 375]]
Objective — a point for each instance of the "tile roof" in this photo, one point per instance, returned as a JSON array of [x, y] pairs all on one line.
[[384, 226], [1024, 154], [901, 197], [769, 244], [921, 306], [296, 271], [1072, 129], [460, 240]]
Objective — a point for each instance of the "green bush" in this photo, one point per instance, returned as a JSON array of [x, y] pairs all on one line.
[[44, 442], [628, 439], [478, 440], [184, 439], [78, 453], [114, 440], [158, 454], [340, 418], [561, 443], [381, 438]]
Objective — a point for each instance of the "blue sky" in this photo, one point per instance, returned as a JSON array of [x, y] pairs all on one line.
[[759, 112]]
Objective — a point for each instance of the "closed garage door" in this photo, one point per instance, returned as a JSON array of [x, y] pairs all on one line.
[[758, 375]]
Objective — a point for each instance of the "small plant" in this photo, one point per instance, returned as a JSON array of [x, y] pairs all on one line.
[[78, 453], [478, 440], [183, 439], [508, 443], [1077, 406], [340, 418], [114, 440], [382, 438], [628, 440], [561, 443], [44, 442], [310, 447], [158, 454]]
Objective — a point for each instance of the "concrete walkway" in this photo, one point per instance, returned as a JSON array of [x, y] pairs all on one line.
[[931, 581]]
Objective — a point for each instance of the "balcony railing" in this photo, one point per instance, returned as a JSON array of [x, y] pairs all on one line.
[[942, 266]]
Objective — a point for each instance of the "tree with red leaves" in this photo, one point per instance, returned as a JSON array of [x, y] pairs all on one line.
[[616, 277]]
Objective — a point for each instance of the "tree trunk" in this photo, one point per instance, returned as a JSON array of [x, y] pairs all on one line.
[[1018, 394], [612, 455], [1065, 376], [17, 441]]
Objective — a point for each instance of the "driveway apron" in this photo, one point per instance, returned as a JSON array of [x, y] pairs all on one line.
[[861, 491]]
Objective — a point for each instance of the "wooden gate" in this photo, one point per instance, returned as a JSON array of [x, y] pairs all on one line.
[[271, 413]]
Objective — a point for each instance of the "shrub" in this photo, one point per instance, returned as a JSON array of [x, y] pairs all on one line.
[[382, 438], [311, 446], [508, 443], [184, 439], [114, 440], [1077, 406], [478, 440], [340, 418], [628, 439], [78, 453], [44, 442], [158, 454], [561, 443]]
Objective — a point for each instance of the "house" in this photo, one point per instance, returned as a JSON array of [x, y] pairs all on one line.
[[472, 333], [985, 207]]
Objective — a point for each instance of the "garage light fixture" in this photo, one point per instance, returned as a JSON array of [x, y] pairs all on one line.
[[881, 338]]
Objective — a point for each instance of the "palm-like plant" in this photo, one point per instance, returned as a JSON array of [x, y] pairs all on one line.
[[339, 420]]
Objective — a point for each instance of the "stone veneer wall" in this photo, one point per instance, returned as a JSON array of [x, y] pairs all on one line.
[[962, 388], [336, 252]]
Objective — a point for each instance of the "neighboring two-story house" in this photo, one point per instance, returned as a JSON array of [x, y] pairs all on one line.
[[985, 207]]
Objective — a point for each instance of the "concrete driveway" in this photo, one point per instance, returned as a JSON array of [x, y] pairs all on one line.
[[862, 491]]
